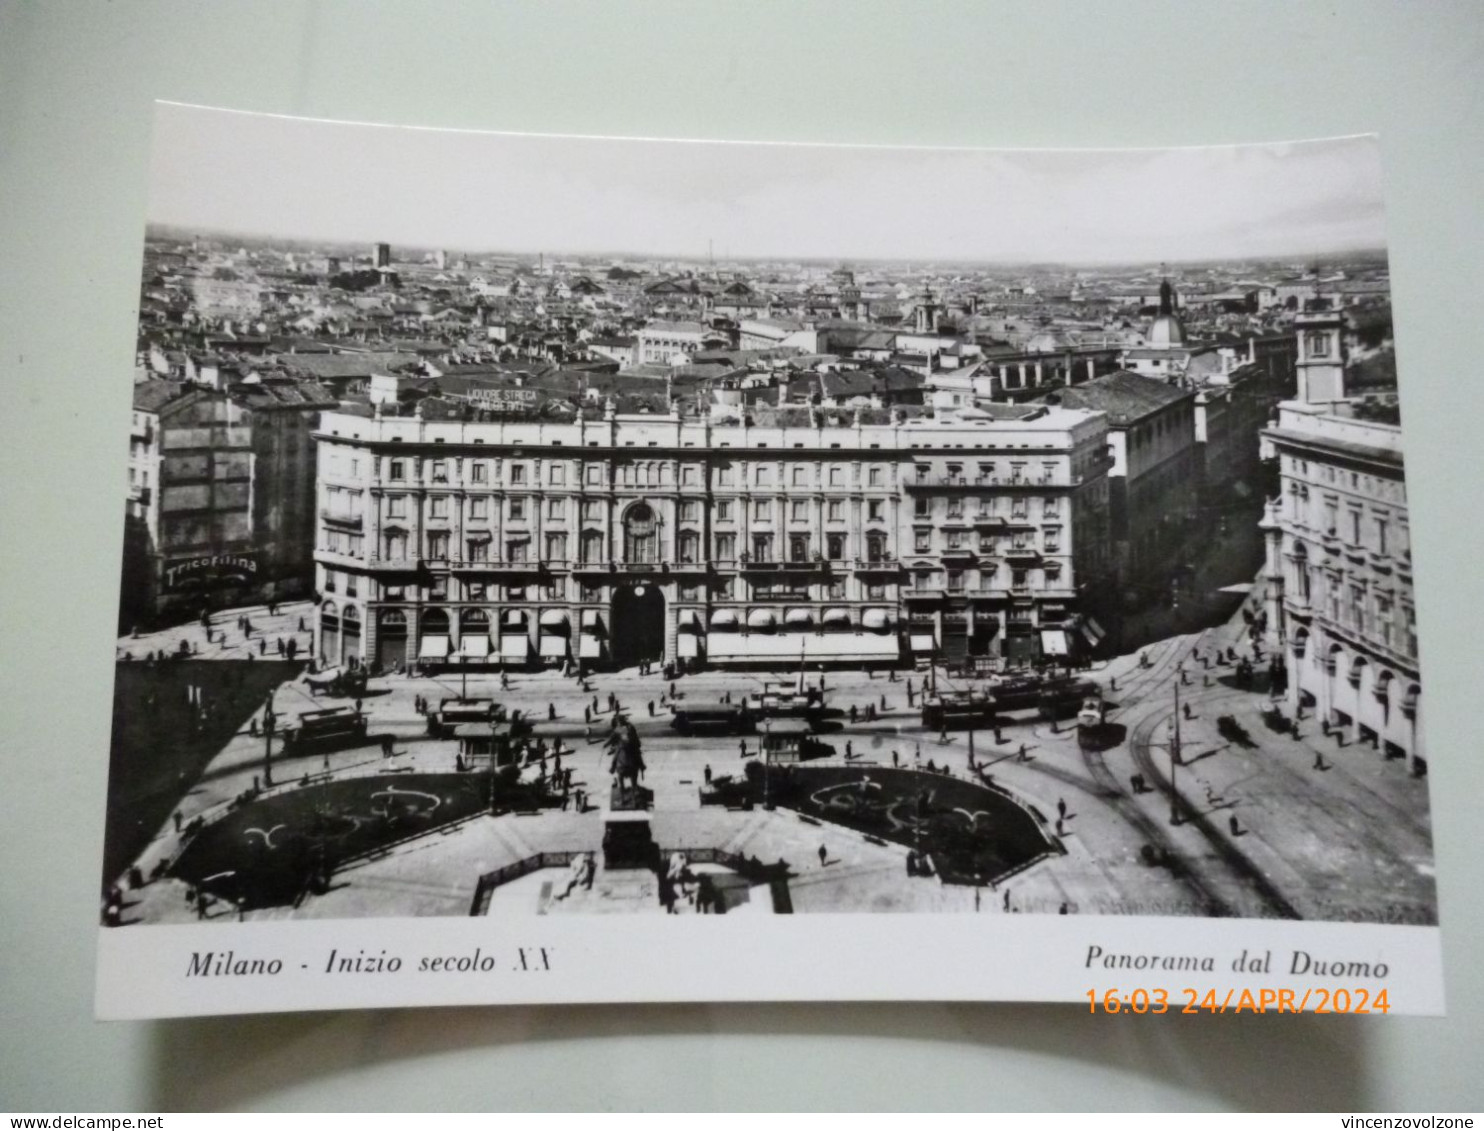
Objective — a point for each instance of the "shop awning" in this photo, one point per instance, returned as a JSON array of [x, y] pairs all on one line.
[[836, 616], [433, 648], [1054, 642], [475, 647], [761, 618], [877, 620], [553, 619], [724, 618], [591, 618], [798, 618], [687, 646], [785, 651], [514, 647], [1093, 631], [589, 647], [553, 646], [921, 642], [688, 618]]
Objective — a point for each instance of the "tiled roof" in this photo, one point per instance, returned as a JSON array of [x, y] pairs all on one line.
[[154, 394], [1124, 396]]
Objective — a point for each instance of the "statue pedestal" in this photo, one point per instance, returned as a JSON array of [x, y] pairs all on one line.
[[629, 798], [627, 841]]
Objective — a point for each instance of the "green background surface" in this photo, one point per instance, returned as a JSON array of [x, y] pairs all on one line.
[[76, 82]]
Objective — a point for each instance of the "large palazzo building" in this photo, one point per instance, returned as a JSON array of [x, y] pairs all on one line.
[[799, 536], [1339, 566]]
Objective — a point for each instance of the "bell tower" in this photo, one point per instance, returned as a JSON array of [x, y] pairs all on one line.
[[1321, 356]]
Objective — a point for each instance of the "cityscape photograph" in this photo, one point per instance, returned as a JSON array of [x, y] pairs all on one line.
[[546, 526]]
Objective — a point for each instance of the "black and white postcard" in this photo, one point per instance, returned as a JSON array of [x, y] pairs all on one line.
[[581, 569]]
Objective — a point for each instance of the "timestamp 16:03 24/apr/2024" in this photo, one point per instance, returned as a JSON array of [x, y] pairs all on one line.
[[1188, 999]]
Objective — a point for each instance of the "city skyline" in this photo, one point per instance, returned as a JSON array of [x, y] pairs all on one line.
[[526, 194]]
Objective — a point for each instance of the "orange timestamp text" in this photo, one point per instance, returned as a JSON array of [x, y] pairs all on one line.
[[1187, 999]]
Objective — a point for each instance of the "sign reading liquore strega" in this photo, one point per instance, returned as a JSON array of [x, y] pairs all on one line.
[[1022, 583]]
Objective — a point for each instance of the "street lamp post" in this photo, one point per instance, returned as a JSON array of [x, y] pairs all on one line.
[[767, 765], [1175, 762]]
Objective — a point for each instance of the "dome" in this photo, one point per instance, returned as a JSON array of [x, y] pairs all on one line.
[[1166, 331]]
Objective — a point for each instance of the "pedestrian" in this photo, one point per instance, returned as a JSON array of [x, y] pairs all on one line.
[[1065, 908], [1113, 683], [358, 706], [883, 703], [301, 625], [849, 750], [1319, 763], [551, 712], [1007, 899], [504, 681], [588, 734], [824, 854], [1061, 807], [176, 815], [853, 713], [943, 735], [742, 747], [1234, 825], [1185, 707], [672, 689], [1020, 754], [252, 726], [651, 708], [262, 645], [707, 773], [896, 759], [1060, 830], [595, 704], [201, 905], [386, 746]]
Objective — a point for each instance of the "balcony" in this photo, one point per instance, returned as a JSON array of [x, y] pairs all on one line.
[[495, 566], [923, 592], [1021, 553], [778, 565], [877, 565], [959, 554]]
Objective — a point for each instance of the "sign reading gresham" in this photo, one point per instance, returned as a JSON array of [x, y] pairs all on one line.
[[214, 569]]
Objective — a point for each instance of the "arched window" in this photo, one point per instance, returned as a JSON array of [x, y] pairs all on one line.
[[641, 535], [475, 621], [435, 622]]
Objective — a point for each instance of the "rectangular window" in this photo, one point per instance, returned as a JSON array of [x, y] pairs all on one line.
[[689, 475], [762, 547], [955, 580], [836, 510], [592, 511], [922, 508], [518, 474], [517, 510], [874, 477], [955, 507], [836, 546], [556, 547], [724, 511], [594, 475], [837, 476], [556, 508], [479, 509], [799, 512], [875, 510], [1355, 526], [761, 511], [438, 545], [396, 470], [923, 542], [690, 511], [396, 506], [724, 477], [478, 549], [726, 547], [800, 476], [836, 589], [438, 506], [440, 471], [1019, 508], [955, 539], [875, 592], [764, 474], [478, 472], [558, 475], [1381, 536]]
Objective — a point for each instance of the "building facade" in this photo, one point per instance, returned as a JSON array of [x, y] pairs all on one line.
[[815, 538], [1339, 590], [221, 497]]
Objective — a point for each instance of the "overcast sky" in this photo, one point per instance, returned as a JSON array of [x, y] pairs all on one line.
[[259, 174]]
